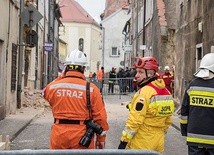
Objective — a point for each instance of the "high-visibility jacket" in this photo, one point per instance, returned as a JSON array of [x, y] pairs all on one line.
[[149, 117], [67, 97], [197, 113]]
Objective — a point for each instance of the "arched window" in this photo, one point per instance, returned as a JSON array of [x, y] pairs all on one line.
[[81, 44]]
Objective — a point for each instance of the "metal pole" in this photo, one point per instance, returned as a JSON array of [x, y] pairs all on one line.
[[20, 63], [80, 152]]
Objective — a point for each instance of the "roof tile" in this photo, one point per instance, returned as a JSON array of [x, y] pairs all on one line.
[[72, 11]]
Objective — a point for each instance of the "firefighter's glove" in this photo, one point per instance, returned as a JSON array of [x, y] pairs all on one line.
[[122, 145], [128, 106], [100, 140], [100, 145]]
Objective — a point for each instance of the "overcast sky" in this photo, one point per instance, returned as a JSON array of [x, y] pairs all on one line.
[[93, 7]]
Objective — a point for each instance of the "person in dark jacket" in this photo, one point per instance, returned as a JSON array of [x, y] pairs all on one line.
[[197, 111], [111, 81], [120, 77], [133, 80]]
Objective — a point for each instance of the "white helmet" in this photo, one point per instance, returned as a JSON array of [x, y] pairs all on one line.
[[206, 65], [166, 68], [76, 57]]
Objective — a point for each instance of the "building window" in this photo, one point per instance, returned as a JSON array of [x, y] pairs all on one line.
[[199, 54], [140, 20], [115, 51], [149, 10], [13, 67], [81, 44]]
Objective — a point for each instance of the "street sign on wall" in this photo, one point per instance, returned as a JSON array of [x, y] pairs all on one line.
[[31, 16], [48, 47], [128, 48], [142, 47]]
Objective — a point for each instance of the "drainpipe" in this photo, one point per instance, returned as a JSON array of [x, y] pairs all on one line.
[[8, 31], [49, 40], [37, 54], [144, 31], [20, 63], [43, 70], [136, 29], [55, 57]]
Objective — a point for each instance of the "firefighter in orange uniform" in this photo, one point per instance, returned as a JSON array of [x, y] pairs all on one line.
[[78, 115], [100, 78], [168, 78], [151, 109]]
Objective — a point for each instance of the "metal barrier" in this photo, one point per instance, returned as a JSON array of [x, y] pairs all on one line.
[[116, 86], [79, 152]]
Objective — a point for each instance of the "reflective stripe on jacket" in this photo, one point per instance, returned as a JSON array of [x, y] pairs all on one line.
[[197, 113], [112, 77], [151, 106], [67, 97]]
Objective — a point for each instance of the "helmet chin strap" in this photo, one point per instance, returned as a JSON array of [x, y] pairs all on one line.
[[76, 68], [146, 80]]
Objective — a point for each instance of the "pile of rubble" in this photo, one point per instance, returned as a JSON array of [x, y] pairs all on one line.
[[33, 98]]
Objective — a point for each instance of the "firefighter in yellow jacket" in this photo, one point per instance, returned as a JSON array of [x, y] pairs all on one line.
[[150, 110], [77, 106], [197, 111]]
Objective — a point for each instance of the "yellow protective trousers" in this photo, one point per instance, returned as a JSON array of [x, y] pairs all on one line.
[[149, 138]]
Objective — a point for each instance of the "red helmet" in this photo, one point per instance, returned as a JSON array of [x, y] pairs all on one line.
[[146, 63]]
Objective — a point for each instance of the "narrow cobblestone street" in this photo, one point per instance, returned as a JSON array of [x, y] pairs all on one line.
[[36, 134], [161, 49]]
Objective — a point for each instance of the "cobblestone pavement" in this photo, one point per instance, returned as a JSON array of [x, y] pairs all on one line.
[[117, 115]]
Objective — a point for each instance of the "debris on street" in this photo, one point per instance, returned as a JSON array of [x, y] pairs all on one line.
[[33, 98]]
